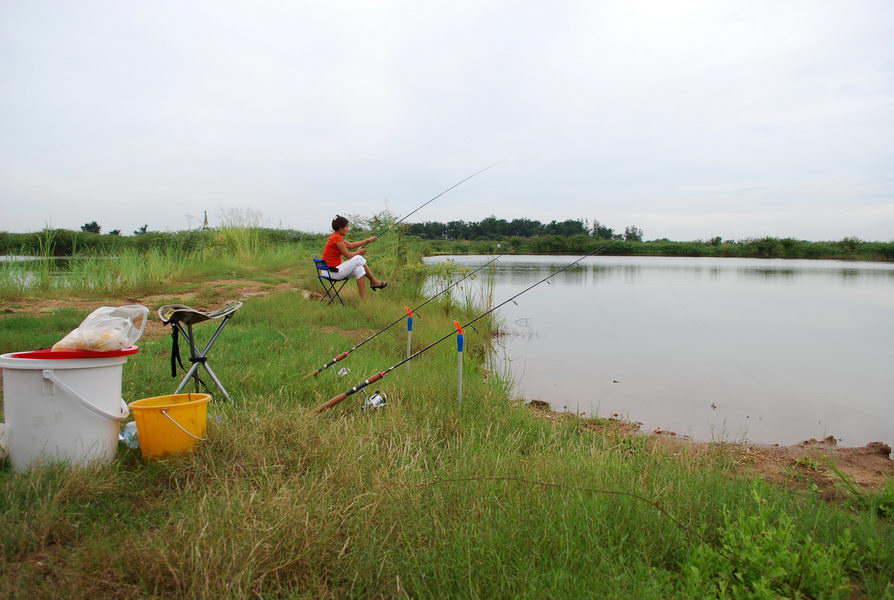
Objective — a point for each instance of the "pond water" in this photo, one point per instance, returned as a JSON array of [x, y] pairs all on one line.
[[768, 351]]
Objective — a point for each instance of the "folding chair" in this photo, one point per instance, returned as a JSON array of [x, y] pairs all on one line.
[[324, 274], [181, 318]]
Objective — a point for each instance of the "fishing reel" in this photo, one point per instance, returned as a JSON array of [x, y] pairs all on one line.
[[377, 400]]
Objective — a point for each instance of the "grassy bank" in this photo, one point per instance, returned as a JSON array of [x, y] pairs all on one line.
[[64, 264], [136, 270], [417, 500]]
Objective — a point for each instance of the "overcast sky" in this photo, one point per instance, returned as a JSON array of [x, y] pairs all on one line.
[[689, 119]]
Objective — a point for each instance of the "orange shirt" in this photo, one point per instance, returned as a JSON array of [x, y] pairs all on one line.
[[331, 253]]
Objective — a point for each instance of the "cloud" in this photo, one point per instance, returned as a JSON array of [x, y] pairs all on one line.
[[146, 112]]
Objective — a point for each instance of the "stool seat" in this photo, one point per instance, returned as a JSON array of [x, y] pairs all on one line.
[[181, 318], [188, 315]]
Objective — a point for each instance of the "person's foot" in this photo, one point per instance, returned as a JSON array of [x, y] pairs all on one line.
[[380, 285]]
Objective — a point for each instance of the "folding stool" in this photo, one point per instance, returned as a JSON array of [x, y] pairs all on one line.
[[181, 318], [324, 274]]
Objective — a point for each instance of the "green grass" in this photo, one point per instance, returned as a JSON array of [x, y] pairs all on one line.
[[282, 503]]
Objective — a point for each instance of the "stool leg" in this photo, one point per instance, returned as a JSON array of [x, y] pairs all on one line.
[[217, 382], [193, 353], [189, 375], [200, 358]]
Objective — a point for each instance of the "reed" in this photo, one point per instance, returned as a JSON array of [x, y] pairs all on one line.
[[129, 271]]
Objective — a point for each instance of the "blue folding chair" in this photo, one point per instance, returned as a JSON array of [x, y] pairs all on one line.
[[324, 274]]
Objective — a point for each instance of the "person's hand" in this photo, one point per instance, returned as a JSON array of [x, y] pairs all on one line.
[[361, 251], [372, 239]]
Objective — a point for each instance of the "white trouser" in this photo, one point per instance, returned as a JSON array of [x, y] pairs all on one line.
[[352, 266]]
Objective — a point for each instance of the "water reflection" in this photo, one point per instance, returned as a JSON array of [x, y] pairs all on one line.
[[768, 350], [525, 268]]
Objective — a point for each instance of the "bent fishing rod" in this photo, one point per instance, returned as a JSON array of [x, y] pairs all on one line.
[[336, 399], [421, 206], [344, 355]]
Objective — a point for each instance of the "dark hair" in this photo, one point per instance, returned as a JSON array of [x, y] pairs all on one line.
[[338, 222]]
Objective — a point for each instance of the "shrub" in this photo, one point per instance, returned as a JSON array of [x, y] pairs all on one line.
[[763, 556]]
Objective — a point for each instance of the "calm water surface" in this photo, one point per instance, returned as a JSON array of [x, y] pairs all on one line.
[[770, 351]]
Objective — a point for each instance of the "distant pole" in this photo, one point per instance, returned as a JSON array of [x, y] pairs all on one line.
[[409, 331], [459, 354]]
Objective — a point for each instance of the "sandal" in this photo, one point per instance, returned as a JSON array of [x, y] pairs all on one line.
[[382, 285]]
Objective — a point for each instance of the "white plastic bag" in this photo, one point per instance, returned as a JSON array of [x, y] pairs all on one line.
[[107, 328]]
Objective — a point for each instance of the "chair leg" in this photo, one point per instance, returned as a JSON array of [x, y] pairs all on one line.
[[323, 285], [336, 290], [331, 290]]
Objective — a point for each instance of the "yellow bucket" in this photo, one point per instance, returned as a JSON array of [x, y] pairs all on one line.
[[171, 424]]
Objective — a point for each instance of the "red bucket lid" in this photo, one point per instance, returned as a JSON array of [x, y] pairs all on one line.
[[63, 354]]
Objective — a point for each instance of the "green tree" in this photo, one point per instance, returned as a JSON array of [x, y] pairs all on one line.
[[115, 232], [601, 232], [142, 230], [91, 227], [632, 233]]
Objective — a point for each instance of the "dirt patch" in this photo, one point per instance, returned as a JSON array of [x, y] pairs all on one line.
[[355, 335], [806, 465], [613, 425], [206, 295], [801, 466]]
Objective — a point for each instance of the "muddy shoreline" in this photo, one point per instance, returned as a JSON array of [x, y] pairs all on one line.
[[802, 466]]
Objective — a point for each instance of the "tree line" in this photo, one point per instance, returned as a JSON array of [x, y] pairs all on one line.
[[94, 227], [494, 228]]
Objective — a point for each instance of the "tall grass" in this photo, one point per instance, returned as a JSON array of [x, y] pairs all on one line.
[[238, 249], [130, 270]]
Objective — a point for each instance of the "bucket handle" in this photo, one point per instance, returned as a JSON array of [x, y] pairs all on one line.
[[180, 427], [50, 375]]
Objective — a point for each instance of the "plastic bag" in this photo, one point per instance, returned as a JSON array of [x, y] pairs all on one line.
[[107, 328], [129, 435]]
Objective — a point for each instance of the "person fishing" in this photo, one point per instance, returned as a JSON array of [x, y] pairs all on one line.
[[337, 247]]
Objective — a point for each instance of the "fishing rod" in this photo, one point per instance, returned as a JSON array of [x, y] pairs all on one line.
[[344, 355], [393, 225], [336, 399]]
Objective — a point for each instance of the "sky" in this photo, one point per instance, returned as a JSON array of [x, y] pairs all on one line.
[[689, 119]]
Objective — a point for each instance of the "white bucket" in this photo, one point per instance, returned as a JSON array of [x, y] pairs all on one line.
[[63, 406]]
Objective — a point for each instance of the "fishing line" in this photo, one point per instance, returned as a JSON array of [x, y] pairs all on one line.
[[421, 206], [336, 399], [562, 486], [345, 354]]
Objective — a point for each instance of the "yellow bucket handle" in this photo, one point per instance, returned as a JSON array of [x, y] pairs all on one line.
[[180, 427]]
